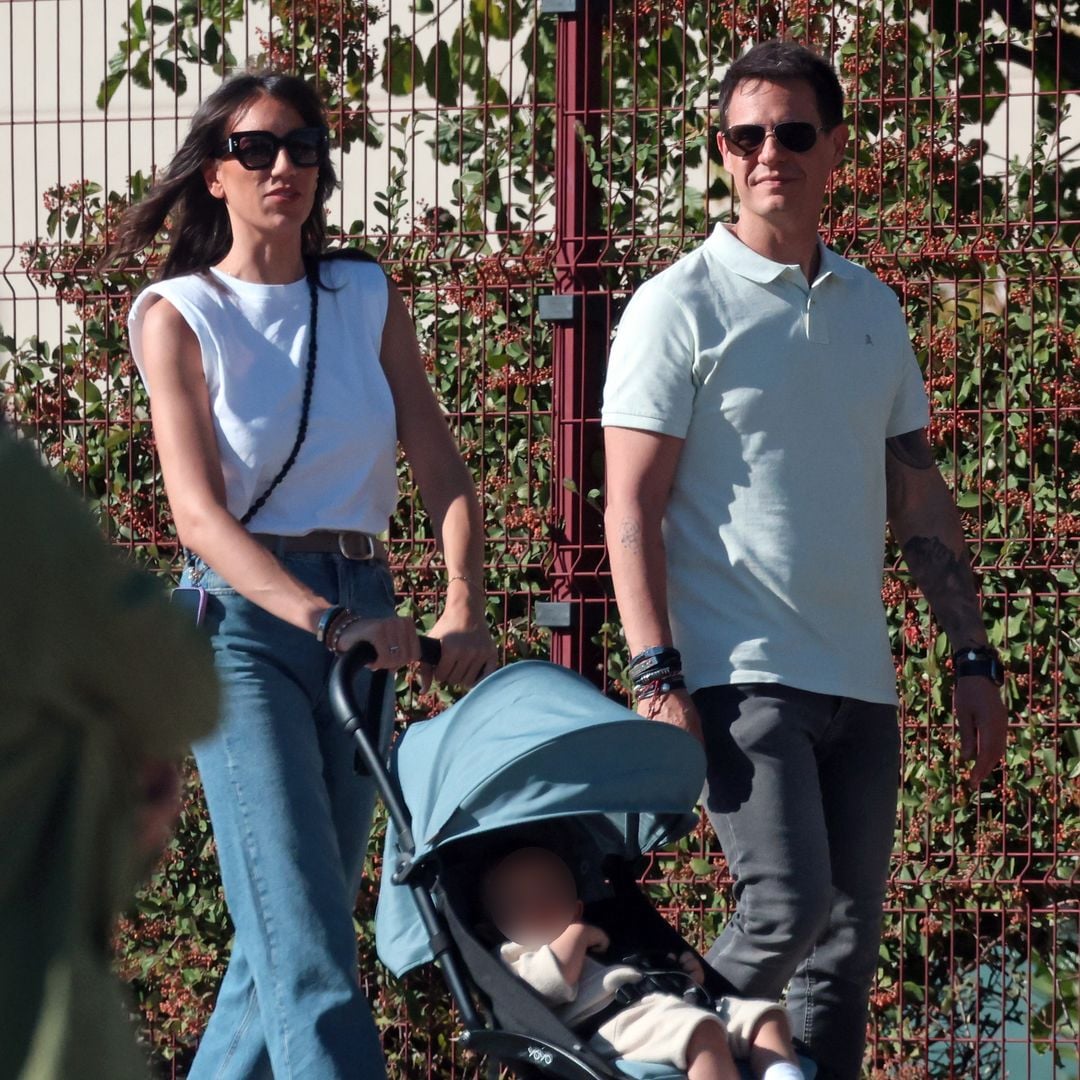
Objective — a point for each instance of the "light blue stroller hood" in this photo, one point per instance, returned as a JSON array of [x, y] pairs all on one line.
[[533, 741]]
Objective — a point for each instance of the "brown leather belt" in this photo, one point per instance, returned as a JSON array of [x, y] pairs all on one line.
[[358, 546]]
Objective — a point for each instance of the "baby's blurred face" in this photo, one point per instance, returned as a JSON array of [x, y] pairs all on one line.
[[531, 897]]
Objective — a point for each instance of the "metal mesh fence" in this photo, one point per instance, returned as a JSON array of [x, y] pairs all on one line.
[[519, 168]]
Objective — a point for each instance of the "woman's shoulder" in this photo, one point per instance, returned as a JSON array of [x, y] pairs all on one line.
[[182, 291], [184, 305]]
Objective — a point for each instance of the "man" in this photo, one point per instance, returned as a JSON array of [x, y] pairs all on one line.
[[764, 416]]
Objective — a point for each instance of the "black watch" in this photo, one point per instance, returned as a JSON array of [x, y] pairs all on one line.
[[982, 661]]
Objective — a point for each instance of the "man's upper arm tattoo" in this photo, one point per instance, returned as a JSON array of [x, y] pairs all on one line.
[[911, 449]]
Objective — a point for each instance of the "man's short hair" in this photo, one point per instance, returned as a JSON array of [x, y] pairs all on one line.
[[779, 61]]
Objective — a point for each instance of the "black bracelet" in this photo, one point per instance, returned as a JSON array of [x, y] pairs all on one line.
[[651, 663], [655, 673], [325, 619]]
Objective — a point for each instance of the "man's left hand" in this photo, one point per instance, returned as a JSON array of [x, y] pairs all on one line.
[[980, 713]]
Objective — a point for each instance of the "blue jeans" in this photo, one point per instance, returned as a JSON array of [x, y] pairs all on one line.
[[801, 790], [291, 821]]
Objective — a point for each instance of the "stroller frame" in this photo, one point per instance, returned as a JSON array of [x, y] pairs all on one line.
[[562, 1054]]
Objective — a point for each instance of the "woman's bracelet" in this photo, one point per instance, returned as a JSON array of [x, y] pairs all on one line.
[[333, 638], [326, 619]]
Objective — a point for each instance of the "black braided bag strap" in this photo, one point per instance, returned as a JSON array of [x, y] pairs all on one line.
[[311, 270]]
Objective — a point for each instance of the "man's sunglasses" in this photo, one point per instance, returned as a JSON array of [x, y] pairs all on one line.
[[305, 146], [798, 136]]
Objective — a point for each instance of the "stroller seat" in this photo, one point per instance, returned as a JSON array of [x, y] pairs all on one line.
[[637, 932]]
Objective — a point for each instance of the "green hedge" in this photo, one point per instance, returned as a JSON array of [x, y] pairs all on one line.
[[981, 930]]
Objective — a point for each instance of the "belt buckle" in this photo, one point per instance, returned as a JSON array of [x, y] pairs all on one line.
[[344, 546]]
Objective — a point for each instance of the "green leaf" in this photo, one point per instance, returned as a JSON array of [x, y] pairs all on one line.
[[159, 16], [109, 87], [171, 74], [439, 75], [211, 44], [138, 20], [490, 17], [118, 438], [403, 64], [140, 71]]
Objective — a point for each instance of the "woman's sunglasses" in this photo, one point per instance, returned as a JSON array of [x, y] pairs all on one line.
[[798, 136], [305, 146]]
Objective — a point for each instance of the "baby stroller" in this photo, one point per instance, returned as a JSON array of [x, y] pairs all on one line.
[[533, 755]]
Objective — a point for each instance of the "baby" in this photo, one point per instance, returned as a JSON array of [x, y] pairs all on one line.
[[531, 897]]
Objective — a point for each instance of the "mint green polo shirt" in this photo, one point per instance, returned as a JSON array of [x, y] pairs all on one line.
[[784, 394]]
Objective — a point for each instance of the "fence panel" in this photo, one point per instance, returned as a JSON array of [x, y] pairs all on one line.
[[519, 172]]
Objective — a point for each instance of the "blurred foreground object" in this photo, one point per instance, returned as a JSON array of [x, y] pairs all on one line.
[[101, 687]]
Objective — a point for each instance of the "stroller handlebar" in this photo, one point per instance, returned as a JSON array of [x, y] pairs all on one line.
[[348, 665], [363, 652]]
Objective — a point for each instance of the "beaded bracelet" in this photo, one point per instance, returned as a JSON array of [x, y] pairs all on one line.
[[333, 639], [653, 687]]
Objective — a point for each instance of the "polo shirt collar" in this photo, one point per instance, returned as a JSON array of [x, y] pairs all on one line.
[[747, 263]]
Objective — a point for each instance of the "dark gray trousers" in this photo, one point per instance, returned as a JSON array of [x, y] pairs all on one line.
[[801, 790]]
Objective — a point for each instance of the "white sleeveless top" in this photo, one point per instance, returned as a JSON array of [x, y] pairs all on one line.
[[254, 342]]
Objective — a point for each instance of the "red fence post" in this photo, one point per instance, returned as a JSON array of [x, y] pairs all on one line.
[[580, 341]]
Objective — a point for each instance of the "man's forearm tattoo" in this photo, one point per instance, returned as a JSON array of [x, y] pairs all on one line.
[[947, 582], [630, 536]]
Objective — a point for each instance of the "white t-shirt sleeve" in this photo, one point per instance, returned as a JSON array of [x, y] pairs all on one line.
[[176, 291], [911, 410], [650, 377]]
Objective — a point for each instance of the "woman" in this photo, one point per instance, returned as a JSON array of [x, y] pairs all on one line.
[[280, 384]]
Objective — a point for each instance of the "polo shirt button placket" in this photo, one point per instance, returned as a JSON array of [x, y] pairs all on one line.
[[817, 329]]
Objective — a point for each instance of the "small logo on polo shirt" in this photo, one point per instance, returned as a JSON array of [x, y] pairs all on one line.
[[869, 340]]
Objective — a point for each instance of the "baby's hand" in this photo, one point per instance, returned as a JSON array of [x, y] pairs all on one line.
[[692, 966], [573, 943], [595, 938]]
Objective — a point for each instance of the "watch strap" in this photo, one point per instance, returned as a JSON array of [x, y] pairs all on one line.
[[982, 661]]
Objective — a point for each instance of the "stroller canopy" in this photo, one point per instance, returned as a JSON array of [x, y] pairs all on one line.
[[534, 741]]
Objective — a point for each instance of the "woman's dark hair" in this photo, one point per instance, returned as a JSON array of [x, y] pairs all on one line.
[[786, 60], [199, 229]]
